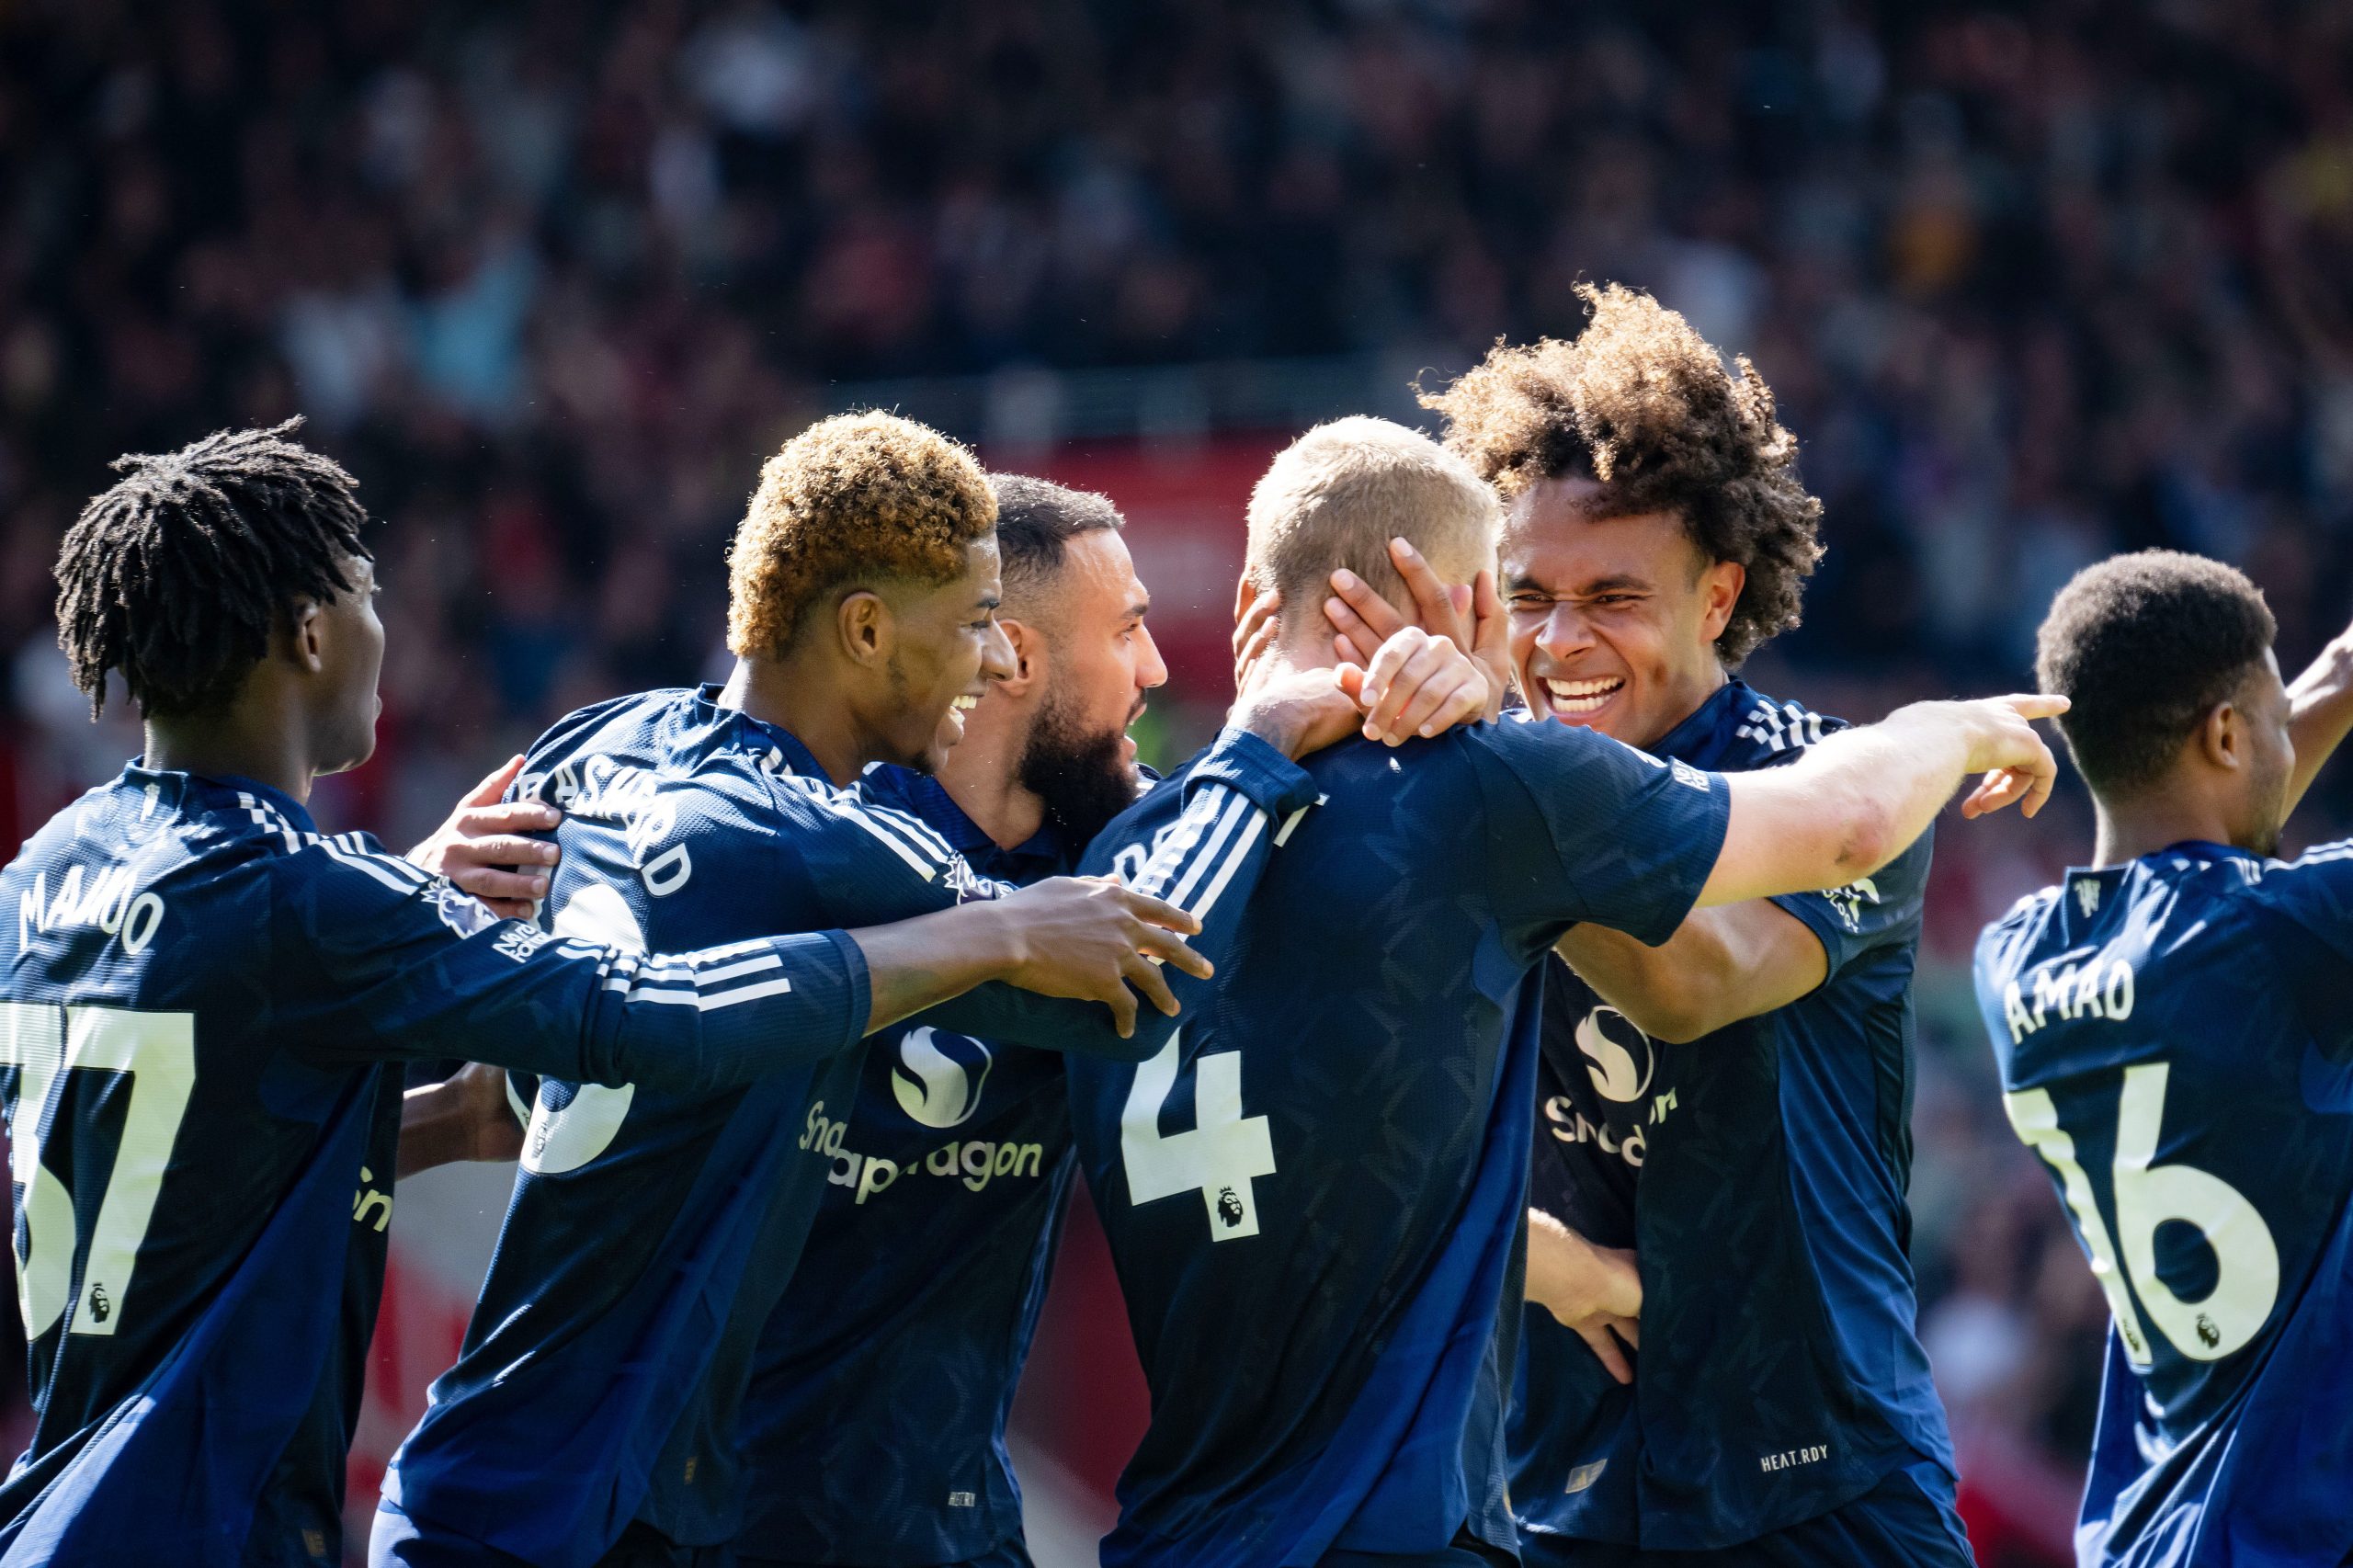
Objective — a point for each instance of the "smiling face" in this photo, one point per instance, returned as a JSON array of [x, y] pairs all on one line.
[[946, 649], [1614, 620]]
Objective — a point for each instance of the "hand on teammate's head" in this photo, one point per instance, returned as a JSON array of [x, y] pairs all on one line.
[[1471, 616]]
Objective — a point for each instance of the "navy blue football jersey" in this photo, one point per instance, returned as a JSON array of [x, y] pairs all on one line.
[[199, 992], [649, 1235], [1315, 1192], [2176, 1041], [1759, 1175], [874, 1429]]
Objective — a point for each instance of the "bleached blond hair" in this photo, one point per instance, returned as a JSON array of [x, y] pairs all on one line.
[[1339, 493]]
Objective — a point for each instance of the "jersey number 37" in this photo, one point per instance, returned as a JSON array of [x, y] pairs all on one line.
[[2147, 1196]]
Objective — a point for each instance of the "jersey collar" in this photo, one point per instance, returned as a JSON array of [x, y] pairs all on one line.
[[1041, 855], [1704, 730], [797, 757], [214, 792]]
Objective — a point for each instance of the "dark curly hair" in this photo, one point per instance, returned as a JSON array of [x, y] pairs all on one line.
[[1642, 404], [854, 500], [2143, 647], [175, 578]]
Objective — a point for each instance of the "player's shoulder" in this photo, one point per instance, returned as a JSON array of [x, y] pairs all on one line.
[[2010, 937], [2317, 883], [1768, 732], [1535, 749]]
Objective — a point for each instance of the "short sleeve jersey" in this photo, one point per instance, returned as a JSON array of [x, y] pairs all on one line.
[[2175, 1036], [1775, 1391], [651, 1234], [1314, 1193], [199, 991], [874, 1431]]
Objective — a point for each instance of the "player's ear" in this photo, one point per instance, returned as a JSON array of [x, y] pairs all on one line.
[[306, 634], [866, 627], [1246, 594], [2223, 737], [1720, 587], [1028, 659]]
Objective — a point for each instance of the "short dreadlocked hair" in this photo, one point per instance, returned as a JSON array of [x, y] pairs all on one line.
[[854, 500], [2143, 646], [1642, 404], [176, 577]]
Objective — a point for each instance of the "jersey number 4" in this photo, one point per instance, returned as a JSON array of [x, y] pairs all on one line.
[[2248, 1261], [155, 1055], [1218, 1158]]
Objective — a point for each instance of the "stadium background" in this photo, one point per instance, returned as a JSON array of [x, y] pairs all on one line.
[[2033, 284]]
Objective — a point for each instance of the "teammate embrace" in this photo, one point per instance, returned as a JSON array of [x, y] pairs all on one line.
[[763, 1294]]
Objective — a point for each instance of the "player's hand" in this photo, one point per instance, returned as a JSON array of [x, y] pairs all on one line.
[[1255, 630], [481, 850], [1089, 938], [1294, 710], [1472, 617], [1418, 684], [2006, 747], [493, 1130], [1595, 1290]]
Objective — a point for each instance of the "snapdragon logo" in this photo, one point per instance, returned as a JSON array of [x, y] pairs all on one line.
[[939, 1077], [1617, 1055]]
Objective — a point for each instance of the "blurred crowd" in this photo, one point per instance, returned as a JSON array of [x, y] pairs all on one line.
[[2034, 283]]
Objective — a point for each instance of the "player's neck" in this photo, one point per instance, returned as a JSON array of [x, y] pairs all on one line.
[[2129, 829], [983, 775], [252, 740], [1685, 696], [801, 699]]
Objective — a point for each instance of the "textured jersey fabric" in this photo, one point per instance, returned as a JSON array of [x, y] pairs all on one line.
[[199, 990], [650, 1233], [1315, 1192], [2176, 1041], [1759, 1175], [874, 1429]]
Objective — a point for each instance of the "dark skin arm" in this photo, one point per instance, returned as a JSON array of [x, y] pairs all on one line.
[[1722, 965], [1079, 937], [466, 1118]]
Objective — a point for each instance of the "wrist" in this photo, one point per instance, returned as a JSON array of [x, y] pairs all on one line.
[[1282, 725], [1004, 941]]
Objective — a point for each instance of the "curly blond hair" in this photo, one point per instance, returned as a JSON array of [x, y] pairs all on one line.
[[853, 501], [1642, 404]]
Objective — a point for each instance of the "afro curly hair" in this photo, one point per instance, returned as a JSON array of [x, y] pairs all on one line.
[[854, 501], [2143, 646], [1642, 404]]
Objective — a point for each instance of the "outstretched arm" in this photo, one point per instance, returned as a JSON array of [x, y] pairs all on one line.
[[2319, 713], [1855, 801], [1722, 965]]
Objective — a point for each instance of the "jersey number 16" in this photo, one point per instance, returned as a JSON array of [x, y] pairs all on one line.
[[2146, 1196]]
